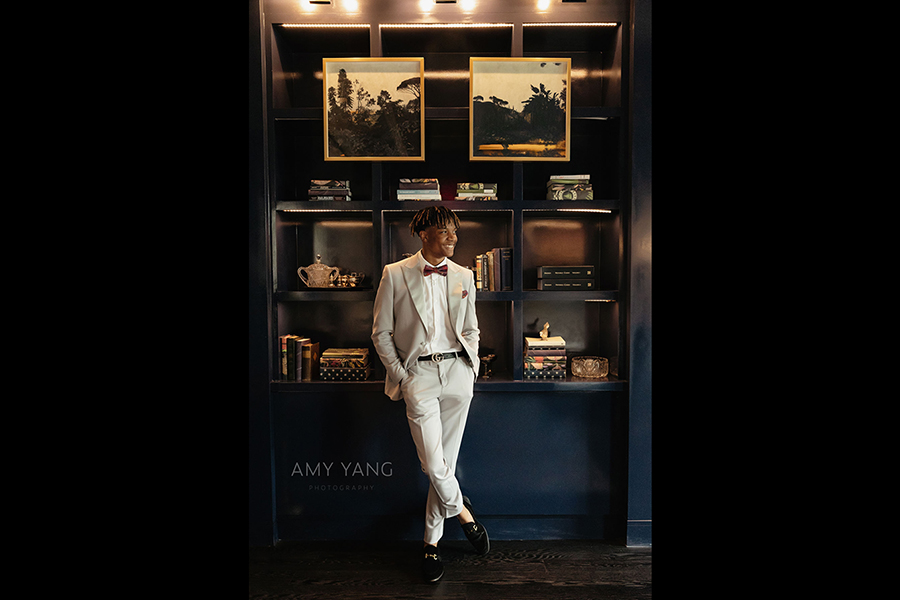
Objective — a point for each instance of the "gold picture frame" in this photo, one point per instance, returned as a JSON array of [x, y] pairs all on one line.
[[374, 108], [519, 109]]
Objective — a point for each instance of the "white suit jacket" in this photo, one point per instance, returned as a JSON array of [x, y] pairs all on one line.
[[398, 329]]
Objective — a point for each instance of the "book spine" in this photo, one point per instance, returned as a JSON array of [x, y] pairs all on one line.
[[283, 370], [310, 358], [476, 187], [570, 195], [422, 196], [558, 185], [479, 283], [565, 272], [328, 192], [291, 362], [565, 284], [300, 350], [546, 352], [544, 362], [408, 180], [317, 184], [418, 186], [492, 270], [553, 347], [573, 178], [506, 269]]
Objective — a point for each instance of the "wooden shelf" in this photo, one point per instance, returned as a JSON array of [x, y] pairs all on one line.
[[462, 205], [328, 295], [368, 295]]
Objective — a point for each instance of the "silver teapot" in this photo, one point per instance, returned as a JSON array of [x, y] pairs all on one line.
[[318, 275]]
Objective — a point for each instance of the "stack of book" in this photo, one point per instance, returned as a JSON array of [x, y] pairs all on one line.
[[345, 364], [570, 187], [566, 277], [329, 189], [299, 354], [545, 358], [476, 191], [418, 189], [493, 270]]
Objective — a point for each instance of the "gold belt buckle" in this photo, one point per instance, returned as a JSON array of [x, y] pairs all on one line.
[[437, 357]]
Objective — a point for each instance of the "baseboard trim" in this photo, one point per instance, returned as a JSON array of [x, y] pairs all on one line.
[[399, 528], [639, 532]]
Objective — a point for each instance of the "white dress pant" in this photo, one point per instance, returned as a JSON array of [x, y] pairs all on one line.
[[437, 397]]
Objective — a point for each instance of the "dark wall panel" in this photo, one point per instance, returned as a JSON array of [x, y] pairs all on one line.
[[535, 465]]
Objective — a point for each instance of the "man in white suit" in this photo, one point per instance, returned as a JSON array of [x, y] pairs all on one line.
[[426, 333]]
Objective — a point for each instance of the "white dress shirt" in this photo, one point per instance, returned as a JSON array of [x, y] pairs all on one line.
[[440, 338]]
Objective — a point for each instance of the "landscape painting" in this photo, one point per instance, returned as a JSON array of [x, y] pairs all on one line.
[[374, 108], [519, 109]]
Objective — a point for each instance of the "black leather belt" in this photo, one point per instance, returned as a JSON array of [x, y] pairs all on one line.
[[438, 356]]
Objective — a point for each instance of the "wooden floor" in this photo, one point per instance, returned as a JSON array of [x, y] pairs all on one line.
[[529, 570]]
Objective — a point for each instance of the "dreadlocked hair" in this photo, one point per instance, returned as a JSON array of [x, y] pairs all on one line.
[[438, 216]]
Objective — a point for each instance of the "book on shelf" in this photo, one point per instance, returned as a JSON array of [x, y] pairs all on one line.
[[570, 195], [565, 272], [557, 352], [310, 360], [566, 277], [469, 187], [329, 190], [475, 192], [424, 195], [581, 178], [478, 198], [565, 284], [545, 358], [493, 270], [570, 187], [418, 189], [319, 193], [552, 342], [287, 353], [297, 357], [329, 184], [545, 362], [546, 369], [418, 184]]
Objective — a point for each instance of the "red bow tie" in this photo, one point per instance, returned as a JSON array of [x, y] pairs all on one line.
[[442, 270]]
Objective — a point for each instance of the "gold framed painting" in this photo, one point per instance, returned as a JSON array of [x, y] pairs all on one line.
[[374, 108], [519, 108]]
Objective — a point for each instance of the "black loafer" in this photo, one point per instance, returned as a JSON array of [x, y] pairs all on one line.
[[432, 567], [475, 532]]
